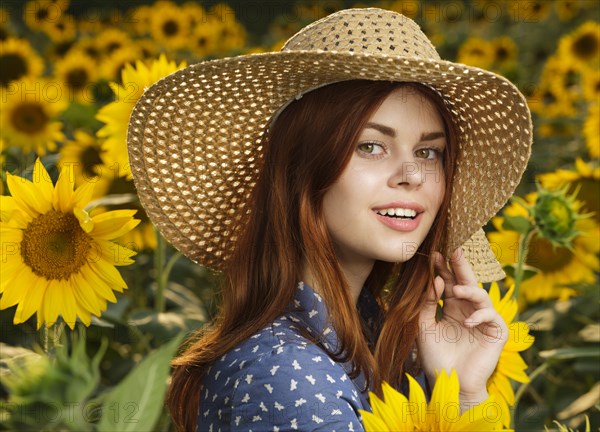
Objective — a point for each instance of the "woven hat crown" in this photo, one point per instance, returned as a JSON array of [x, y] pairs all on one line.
[[365, 31]]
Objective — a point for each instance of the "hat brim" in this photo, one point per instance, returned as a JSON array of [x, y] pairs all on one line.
[[194, 138]]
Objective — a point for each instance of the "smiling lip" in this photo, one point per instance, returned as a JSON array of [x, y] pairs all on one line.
[[400, 224]]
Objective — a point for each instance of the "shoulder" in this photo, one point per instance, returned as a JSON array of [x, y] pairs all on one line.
[[277, 378]]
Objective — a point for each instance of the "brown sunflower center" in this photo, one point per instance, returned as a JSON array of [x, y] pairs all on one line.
[[586, 46], [54, 246], [29, 118], [544, 256], [170, 28], [14, 67], [90, 158], [77, 78], [41, 14], [502, 54], [113, 46]]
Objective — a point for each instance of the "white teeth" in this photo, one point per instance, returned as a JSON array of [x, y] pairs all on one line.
[[401, 212]]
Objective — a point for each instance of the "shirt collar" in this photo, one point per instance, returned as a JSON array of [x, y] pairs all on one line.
[[309, 311]]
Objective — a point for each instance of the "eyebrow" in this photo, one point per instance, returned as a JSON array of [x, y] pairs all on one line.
[[386, 130]]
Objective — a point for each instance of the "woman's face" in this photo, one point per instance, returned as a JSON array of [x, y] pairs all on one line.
[[386, 199]]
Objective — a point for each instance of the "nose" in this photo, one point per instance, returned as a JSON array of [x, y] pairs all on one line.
[[406, 174]]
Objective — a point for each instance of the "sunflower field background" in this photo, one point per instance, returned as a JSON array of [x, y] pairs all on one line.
[[94, 303]]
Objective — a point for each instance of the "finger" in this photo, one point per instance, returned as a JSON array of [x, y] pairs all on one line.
[[463, 272], [442, 269], [482, 316], [477, 296], [429, 310]]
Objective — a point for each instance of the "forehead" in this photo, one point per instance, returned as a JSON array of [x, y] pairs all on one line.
[[409, 106]]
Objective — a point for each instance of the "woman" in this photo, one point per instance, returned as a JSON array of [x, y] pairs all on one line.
[[333, 184]]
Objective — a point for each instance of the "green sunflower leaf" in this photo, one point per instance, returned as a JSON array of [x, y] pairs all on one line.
[[136, 403]]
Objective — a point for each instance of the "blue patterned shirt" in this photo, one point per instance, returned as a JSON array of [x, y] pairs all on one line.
[[279, 380]]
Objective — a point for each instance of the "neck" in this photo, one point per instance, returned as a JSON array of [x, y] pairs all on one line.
[[355, 274]]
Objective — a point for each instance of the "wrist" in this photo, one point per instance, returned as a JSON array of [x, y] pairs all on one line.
[[470, 399]]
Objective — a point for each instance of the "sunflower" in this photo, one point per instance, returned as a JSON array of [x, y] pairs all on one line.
[[115, 115], [28, 116], [195, 13], [532, 11], [83, 156], [566, 9], [591, 131], [231, 36], [61, 260], [205, 38], [398, 413], [77, 72], [550, 99], [112, 39], [88, 46], [591, 85], [505, 51], [37, 14], [19, 61], [140, 20], [61, 30], [113, 65], [510, 365], [476, 51], [583, 44], [585, 179], [169, 26], [558, 266]]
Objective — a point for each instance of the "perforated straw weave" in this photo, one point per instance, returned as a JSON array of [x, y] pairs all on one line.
[[194, 136]]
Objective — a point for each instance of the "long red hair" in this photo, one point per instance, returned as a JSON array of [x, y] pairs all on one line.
[[305, 151]]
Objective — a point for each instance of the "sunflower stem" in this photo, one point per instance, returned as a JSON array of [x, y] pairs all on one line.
[[540, 369], [159, 264], [524, 240]]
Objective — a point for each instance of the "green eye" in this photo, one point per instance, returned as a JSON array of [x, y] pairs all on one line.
[[366, 147], [423, 153]]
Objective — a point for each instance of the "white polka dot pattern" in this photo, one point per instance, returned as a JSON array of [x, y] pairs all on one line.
[[279, 380]]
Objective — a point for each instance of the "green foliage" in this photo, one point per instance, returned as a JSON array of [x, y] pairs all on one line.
[[137, 402]]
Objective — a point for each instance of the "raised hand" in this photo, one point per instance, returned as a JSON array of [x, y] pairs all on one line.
[[470, 335]]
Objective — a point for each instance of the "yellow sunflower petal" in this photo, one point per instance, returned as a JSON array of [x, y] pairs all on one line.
[[43, 184], [109, 273], [52, 302], [503, 389], [86, 296], [100, 287], [373, 423], [513, 368], [85, 222], [63, 192], [32, 301], [519, 338], [110, 230], [24, 193], [11, 266], [114, 253], [68, 308], [403, 409], [83, 194], [12, 292], [444, 404], [384, 412], [417, 400]]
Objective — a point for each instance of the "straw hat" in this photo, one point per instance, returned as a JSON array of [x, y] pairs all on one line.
[[194, 136]]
